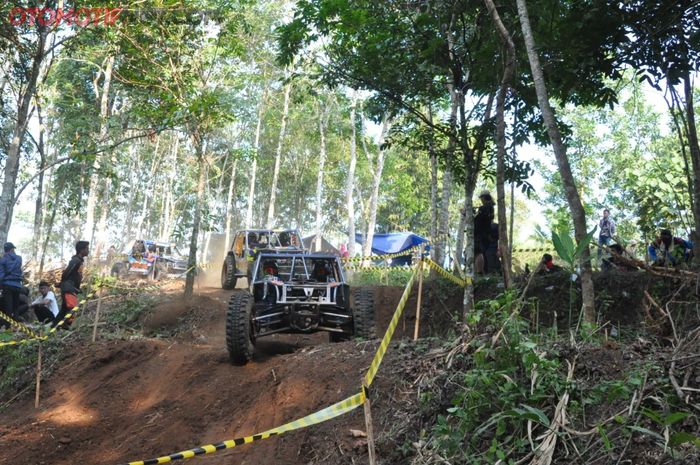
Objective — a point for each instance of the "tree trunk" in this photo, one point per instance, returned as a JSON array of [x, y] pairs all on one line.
[[433, 186], [443, 228], [147, 191], [376, 183], [468, 296], [58, 188], [135, 160], [459, 242], [694, 149], [7, 197], [278, 157], [105, 111], [39, 203], [229, 204], [508, 72], [322, 123], [166, 227], [254, 165], [572, 196], [350, 182], [95, 175], [201, 182]]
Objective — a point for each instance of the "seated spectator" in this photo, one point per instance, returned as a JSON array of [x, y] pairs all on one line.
[[45, 306], [667, 250], [615, 260], [547, 265]]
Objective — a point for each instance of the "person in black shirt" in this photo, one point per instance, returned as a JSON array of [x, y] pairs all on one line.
[[482, 230], [71, 279]]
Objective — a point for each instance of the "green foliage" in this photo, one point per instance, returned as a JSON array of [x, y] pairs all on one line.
[[499, 389], [570, 252], [18, 364]]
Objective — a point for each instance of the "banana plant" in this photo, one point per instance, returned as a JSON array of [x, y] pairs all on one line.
[[570, 252]]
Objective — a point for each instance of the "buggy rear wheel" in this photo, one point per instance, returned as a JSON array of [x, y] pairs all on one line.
[[363, 313], [240, 336], [228, 273]]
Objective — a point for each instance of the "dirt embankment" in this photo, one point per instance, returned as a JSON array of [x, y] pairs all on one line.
[[123, 400]]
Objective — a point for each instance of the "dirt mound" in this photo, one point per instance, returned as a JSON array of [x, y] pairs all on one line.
[[128, 400]]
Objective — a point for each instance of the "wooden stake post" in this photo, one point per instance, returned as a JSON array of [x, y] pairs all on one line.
[[420, 292], [38, 379], [97, 315], [368, 427]]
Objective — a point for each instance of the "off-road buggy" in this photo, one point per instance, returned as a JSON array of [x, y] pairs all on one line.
[[246, 246], [150, 259], [296, 293]]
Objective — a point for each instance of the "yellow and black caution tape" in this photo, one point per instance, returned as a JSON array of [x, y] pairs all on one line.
[[534, 249], [446, 274], [18, 325], [37, 337], [153, 287], [325, 414], [406, 252], [21, 341], [384, 345], [73, 311], [377, 268]]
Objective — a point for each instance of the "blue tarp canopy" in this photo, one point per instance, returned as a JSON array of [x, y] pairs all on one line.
[[392, 242]]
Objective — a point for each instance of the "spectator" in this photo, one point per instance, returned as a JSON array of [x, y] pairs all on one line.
[[616, 260], [606, 227], [24, 302], [482, 230], [344, 251], [547, 265], [10, 283], [71, 279], [45, 306], [668, 250]]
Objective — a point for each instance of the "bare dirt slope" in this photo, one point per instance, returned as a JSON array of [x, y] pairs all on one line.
[[122, 400]]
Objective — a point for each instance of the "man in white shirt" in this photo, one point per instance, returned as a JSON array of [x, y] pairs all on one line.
[[45, 306]]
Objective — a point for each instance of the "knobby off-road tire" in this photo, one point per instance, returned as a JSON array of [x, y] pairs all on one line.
[[363, 313], [239, 331], [228, 273]]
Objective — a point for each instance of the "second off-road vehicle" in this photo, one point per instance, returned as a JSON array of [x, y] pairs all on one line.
[[150, 259], [296, 293], [248, 243]]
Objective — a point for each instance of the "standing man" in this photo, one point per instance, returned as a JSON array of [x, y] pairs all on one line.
[[482, 230], [607, 231], [71, 279], [45, 306], [10, 283]]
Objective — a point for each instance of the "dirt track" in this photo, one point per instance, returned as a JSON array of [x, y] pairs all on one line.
[[124, 400]]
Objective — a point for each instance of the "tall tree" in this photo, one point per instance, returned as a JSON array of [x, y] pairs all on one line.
[[32, 54], [323, 116], [577, 212], [377, 168], [350, 180], [278, 155], [506, 81]]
